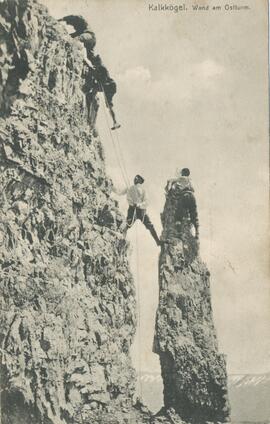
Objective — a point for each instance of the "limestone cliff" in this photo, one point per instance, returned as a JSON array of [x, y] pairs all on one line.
[[193, 372], [68, 302]]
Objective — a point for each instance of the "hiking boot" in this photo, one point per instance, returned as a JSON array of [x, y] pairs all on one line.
[[116, 126]]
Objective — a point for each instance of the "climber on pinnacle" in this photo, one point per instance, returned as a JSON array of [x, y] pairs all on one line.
[[181, 188], [182, 181], [137, 201]]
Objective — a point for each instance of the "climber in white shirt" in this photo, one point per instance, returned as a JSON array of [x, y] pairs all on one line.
[[137, 200]]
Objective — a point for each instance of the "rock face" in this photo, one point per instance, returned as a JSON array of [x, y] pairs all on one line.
[[193, 372], [68, 301]]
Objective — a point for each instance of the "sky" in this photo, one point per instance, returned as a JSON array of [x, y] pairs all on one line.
[[192, 92]]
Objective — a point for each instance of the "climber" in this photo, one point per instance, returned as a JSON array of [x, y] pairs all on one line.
[[137, 201], [106, 84], [184, 192], [82, 31], [182, 181], [86, 36]]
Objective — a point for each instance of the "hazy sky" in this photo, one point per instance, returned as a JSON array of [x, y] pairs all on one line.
[[192, 92]]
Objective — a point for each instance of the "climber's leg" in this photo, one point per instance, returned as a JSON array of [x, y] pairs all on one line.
[[109, 91], [148, 224], [92, 103], [115, 124], [189, 203], [131, 216], [194, 216], [93, 112], [89, 99]]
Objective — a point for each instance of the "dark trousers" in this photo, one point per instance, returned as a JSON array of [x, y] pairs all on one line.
[[109, 90], [187, 207], [135, 213]]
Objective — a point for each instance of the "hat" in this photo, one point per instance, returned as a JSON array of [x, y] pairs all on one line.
[[185, 172], [139, 179]]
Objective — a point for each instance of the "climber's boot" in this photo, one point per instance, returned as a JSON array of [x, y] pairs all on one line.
[[116, 126]]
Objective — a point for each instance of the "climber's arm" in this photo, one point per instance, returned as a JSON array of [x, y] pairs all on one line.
[[87, 61], [119, 192], [78, 22], [169, 184]]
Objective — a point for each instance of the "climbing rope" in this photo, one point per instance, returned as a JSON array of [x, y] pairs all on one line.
[[121, 162], [139, 302], [117, 149], [124, 176], [122, 156]]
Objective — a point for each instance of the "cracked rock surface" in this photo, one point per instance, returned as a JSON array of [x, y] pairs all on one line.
[[68, 301]]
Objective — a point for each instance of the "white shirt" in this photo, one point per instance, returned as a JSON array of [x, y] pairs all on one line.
[[181, 182], [135, 195]]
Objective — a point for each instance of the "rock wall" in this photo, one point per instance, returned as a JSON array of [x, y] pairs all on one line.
[[68, 301], [193, 372]]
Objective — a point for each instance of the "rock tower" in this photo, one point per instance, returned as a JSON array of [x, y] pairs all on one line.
[[193, 371]]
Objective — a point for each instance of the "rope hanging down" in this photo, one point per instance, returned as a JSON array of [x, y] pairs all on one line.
[[121, 162], [139, 302], [122, 157], [117, 149], [119, 156]]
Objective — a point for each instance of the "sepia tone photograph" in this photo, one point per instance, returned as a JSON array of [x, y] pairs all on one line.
[[134, 212]]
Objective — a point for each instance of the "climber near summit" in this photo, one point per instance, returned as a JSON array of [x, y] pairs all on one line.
[[182, 189], [103, 82], [82, 31], [137, 200]]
